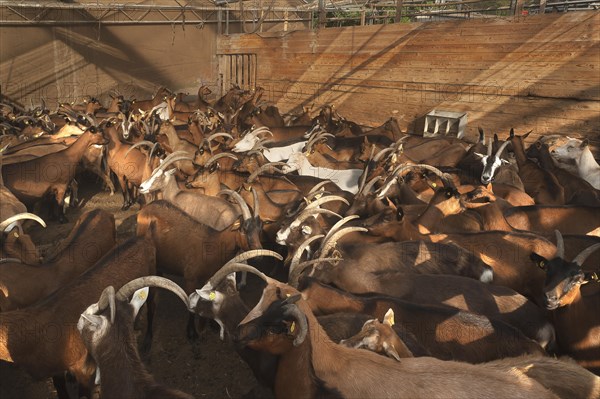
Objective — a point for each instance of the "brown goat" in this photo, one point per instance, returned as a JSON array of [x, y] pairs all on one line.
[[92, 236], [570, 219], [311, 365], [42, 338], [576, 313]]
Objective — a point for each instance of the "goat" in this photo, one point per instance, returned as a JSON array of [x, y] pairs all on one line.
[[446, 332], [106, 328], [32, 180], [196, 264], [179, 145], [14, 243], [569, 219], [576, 315], [92, 236], [283, 324], [588, 168], [541, 184], [42, 338], [211, 211], [577, 190]]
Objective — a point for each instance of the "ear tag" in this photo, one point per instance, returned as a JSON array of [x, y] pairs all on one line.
[[16, 235], [287, 295], [541, 264], [434, 185], [212, 296], [142, 294], [293, 326]]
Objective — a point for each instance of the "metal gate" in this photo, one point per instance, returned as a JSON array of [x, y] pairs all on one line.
[[237, 69]]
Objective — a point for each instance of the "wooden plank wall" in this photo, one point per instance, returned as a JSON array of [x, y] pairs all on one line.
[[537, 72]]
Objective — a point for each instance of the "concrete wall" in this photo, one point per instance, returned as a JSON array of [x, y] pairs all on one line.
[[538, 72]]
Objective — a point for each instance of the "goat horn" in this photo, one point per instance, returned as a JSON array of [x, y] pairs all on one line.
[[363, 178], [298, 254], [154, 147], [305, 214], [370, 184], [139, 144], [293, 280], [318, 186], [152, 281], [215, 158], [253, 253], [216, 135], [174, 157], [238, 198], [338, 225], [10, 260], [107, 300], [235, 267], [326, 199], [560, 245], [21, 216], [332, 241], [294, 311], [583, 255], [258, 171], [502, 147], [381, 153], [256, 203], [489, 150]]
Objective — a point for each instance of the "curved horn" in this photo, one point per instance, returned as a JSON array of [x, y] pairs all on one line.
[[10, 260], [238, 198], [174, 157], [139, 144], [216, 135], [560, 245], [256, 203], [381, 153], [324, 200], [235, 267], [152, 281], [295, 261], [152, 150], [107, 300], [318, 186], [489, 150], [363, 178], [253, 253], [305, 214], [369, 186], [338, 225], [299, 269], [215, 158], [583, 255], [21, 216], [328, 245], [502, 147], [294, 311], [258, 171]]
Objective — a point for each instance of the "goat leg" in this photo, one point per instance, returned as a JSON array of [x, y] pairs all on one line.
[[59, 195]]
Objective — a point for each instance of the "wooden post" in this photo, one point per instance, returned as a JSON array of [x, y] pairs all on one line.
[[226, 22], [542, 6], [399, 4], [363, 16], [285, 21], [322, 14], [219, 21], [518, 7]]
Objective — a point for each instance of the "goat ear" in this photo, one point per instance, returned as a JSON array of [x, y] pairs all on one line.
[[489, 187], [590, 276], [389, 317], [478, 155], [390, 351], [495, 137], [526, 134], [539, 260], [139, 299], [584, 143]]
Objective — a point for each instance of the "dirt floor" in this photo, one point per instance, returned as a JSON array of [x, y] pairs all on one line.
[[206, 368]]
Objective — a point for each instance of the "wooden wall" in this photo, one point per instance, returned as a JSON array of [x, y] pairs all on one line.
[[537, 72], [64, 63]]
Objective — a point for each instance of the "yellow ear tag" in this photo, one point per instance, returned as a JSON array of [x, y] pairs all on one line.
[[392, 322], [433, 185], [142, 295], [16, 235], [287, 295], [212, 296], [293, 326]]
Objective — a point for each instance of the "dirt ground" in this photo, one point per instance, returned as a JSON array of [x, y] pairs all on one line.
[[206, 368]]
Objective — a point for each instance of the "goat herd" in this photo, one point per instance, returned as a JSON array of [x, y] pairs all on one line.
[[414, 268]]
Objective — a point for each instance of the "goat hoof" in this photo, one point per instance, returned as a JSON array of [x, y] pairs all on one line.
[[125, 207]]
